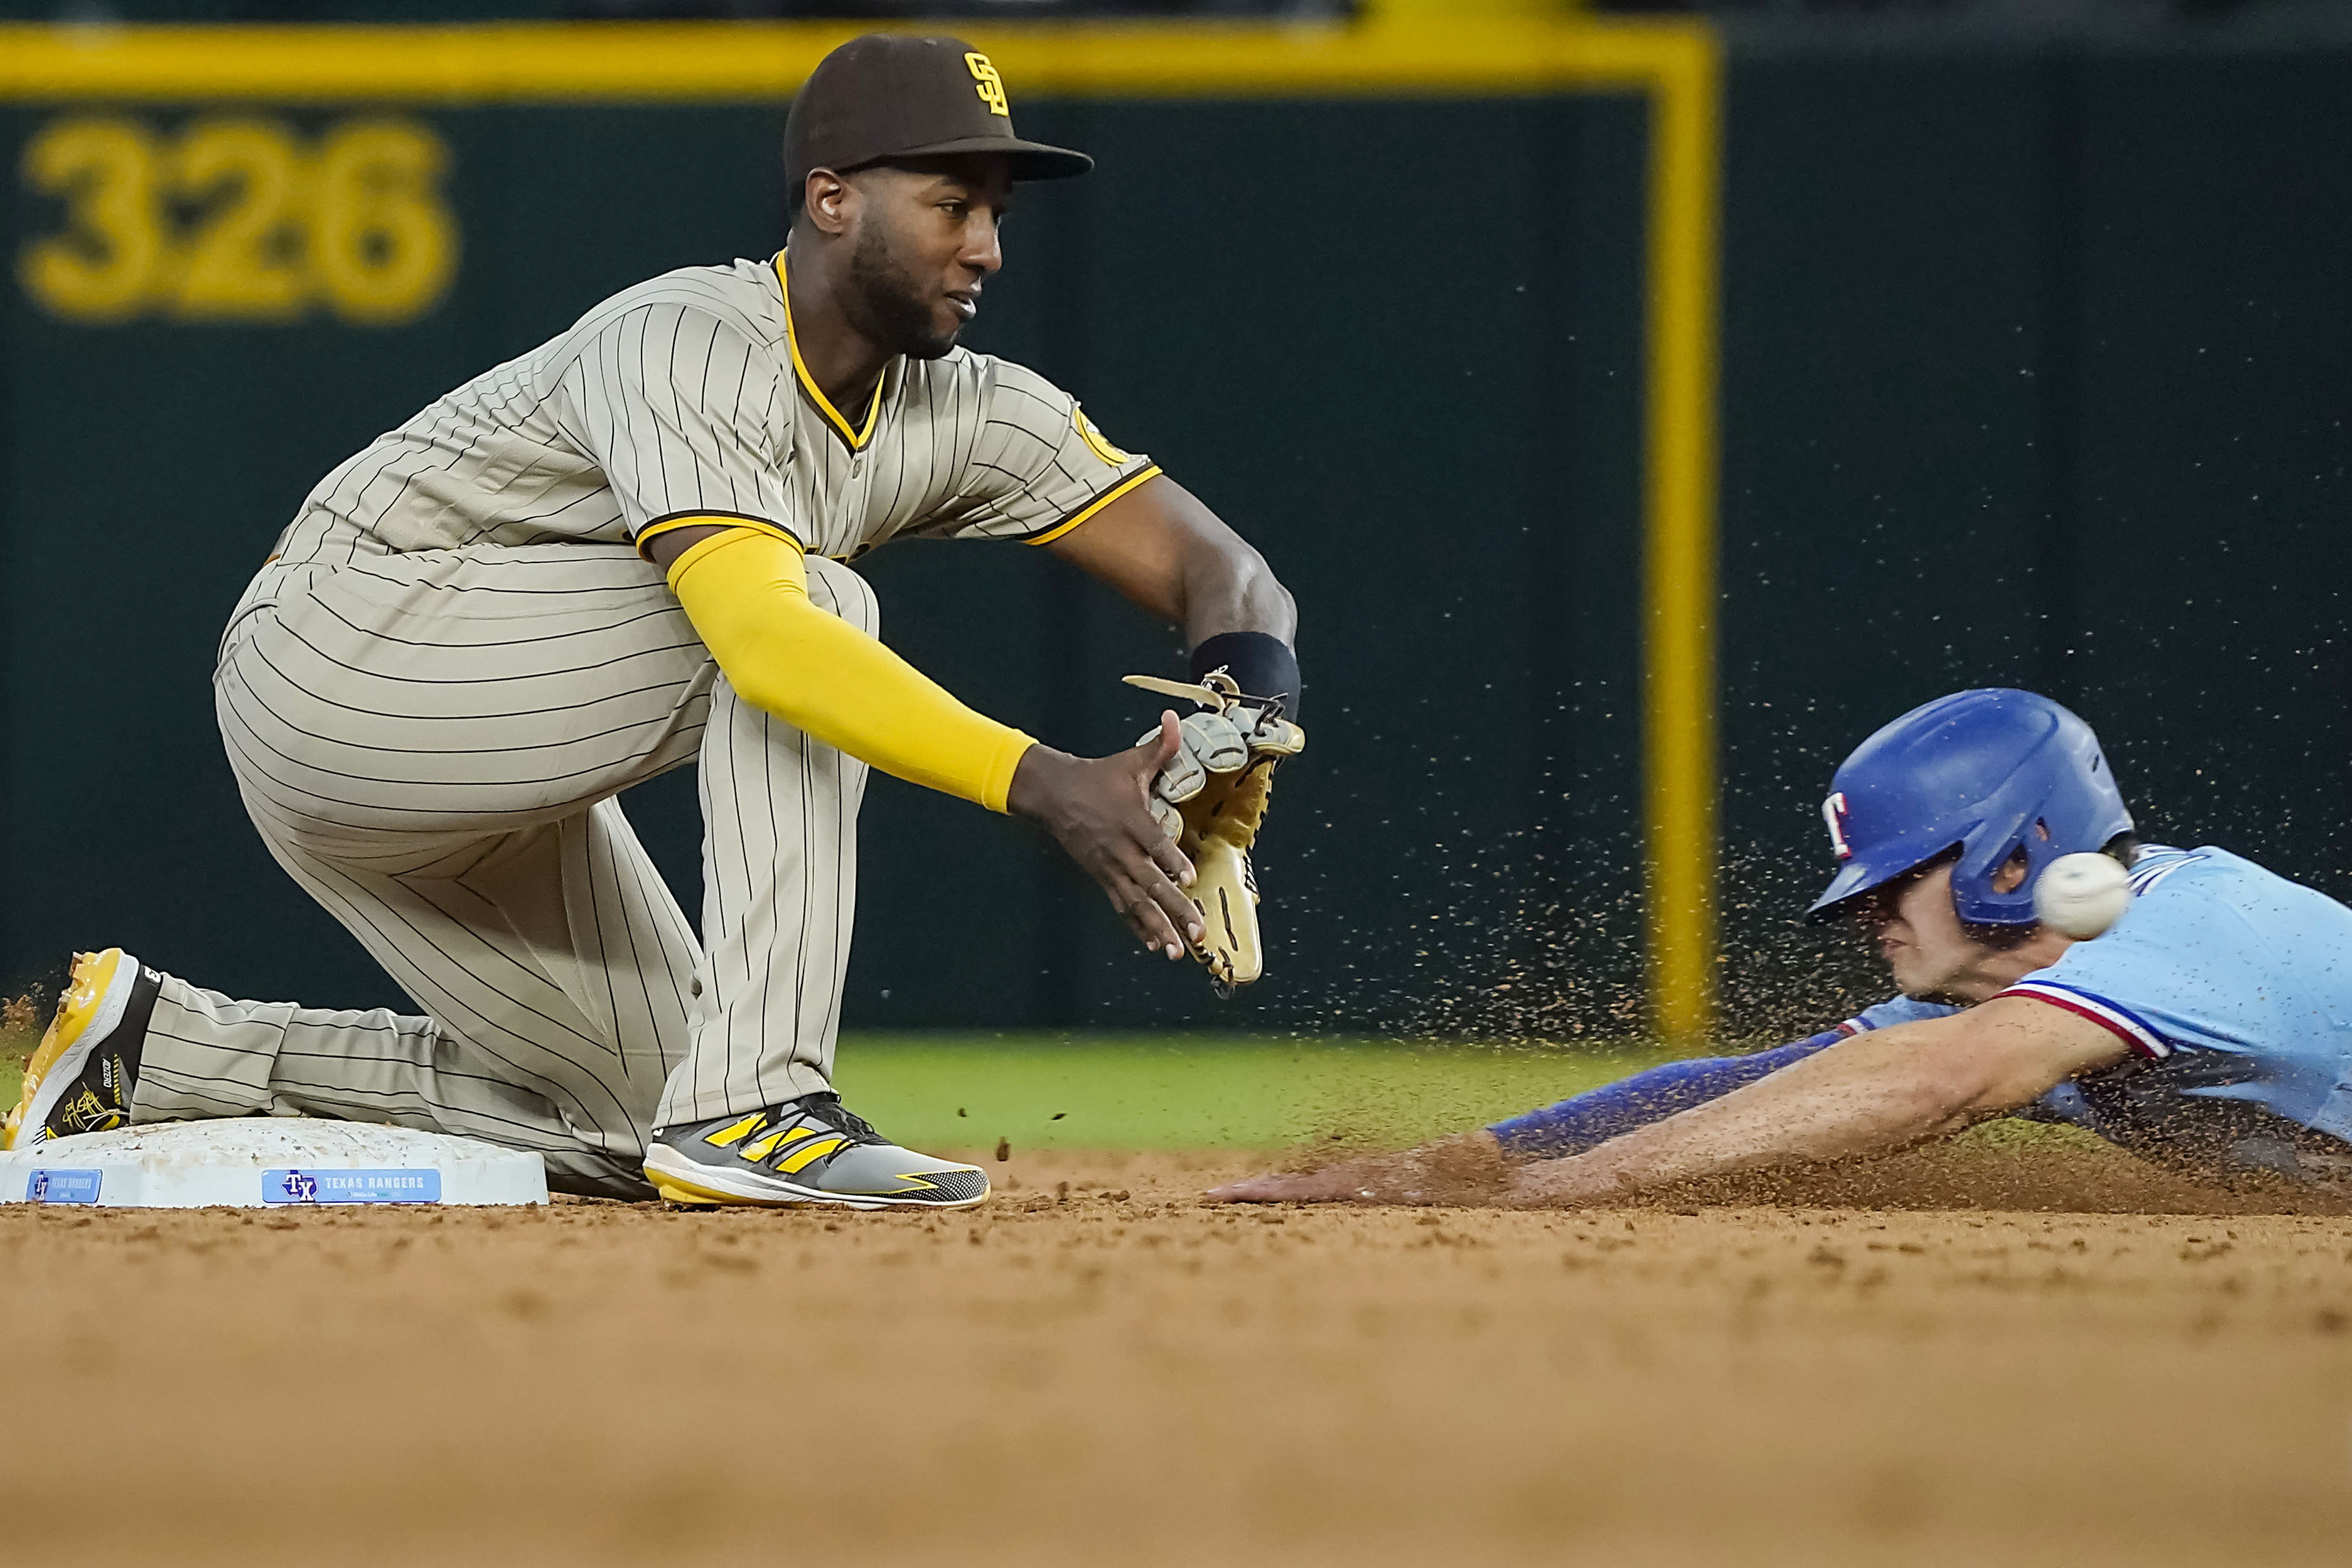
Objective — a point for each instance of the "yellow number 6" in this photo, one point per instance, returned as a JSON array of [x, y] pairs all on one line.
[[383, 247]]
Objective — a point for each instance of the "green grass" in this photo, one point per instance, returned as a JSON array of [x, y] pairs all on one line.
[[15, 1045], [1178, 1092], [1172, 1091]]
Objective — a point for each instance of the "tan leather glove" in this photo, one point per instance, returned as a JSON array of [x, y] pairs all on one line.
[[1212, 798]]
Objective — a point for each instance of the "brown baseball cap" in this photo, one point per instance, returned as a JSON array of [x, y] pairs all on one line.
[[886, 96]]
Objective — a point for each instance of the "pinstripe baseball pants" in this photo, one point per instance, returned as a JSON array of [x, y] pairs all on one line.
[[429, 743]]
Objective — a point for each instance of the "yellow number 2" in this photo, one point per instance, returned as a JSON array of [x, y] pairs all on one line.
[[102, 268], [241, 264]]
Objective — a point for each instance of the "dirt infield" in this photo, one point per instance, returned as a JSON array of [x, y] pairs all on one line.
[[1109, 1373]]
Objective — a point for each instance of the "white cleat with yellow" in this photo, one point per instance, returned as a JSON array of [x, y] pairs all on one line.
[[810, 1152]]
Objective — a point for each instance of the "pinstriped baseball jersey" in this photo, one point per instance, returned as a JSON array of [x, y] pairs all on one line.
[[685, 397], [431, 698]]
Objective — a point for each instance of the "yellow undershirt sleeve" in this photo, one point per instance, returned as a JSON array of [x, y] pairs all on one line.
[[747, 592]]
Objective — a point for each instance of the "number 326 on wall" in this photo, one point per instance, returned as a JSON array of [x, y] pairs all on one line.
[[237, 219]]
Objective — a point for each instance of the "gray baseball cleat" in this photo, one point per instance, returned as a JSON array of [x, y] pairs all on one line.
[[810, 1151]]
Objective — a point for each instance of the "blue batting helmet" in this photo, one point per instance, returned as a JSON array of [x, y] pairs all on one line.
[[1988, 771]]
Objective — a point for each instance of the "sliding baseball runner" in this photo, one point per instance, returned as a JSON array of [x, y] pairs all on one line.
[[622, 553], [2183, 1004]]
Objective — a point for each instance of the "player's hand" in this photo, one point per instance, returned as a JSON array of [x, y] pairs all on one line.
[[1351, 1182], [1098, 809], [1468, 1168]]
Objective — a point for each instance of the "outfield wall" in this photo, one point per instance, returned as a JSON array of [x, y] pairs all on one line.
[[2034, 369]]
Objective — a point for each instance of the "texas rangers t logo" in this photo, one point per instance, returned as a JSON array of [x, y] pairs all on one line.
[[1834, 813]]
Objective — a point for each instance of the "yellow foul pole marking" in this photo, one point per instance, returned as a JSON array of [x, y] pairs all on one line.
[[1680, 570], [1677, 65]]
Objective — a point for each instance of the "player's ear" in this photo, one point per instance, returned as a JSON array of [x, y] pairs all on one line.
[[825, 199]]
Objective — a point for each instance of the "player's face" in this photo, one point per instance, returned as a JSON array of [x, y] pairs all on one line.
[[924, 243], [1920, 936]]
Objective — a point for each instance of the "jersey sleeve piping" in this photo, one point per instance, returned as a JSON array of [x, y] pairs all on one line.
[[1151, 472], [2121, 1022], [2145, 877], [706, 517]]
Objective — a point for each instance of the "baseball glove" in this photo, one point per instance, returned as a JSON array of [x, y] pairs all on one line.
[[1212, 798]]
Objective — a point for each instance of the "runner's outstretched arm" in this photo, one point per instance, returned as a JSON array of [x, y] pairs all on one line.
[[1866, 1095]]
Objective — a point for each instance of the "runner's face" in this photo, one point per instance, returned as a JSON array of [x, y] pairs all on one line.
[[1920, 936]]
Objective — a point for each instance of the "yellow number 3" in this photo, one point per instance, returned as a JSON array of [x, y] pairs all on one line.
[[992, 85], [270, 228], [103, 266]]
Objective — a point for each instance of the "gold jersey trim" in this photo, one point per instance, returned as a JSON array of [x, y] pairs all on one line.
[[1093, 506], [857, 437], [672, 523]]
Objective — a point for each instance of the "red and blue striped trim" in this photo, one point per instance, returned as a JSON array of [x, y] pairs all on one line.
[[2127, 1025]]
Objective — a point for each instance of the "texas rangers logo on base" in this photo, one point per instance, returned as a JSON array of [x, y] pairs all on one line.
[[415, 1185], [47, 1185]]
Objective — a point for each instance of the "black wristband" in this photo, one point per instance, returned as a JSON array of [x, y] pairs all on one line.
[[1260, 664]]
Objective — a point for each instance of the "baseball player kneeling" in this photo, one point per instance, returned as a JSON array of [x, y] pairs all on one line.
[[2185, 1003], [622, 553]]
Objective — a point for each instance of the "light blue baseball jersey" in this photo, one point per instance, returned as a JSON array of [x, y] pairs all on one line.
[[2232, 987]]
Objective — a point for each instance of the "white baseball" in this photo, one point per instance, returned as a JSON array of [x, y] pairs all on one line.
[[2082, 895]]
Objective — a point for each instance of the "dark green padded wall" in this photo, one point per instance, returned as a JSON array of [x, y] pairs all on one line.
[[149, 467], [1377, 391], [2033, 372]]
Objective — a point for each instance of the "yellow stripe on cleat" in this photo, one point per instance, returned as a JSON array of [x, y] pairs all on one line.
[[736, 1132], [809, 1154]]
